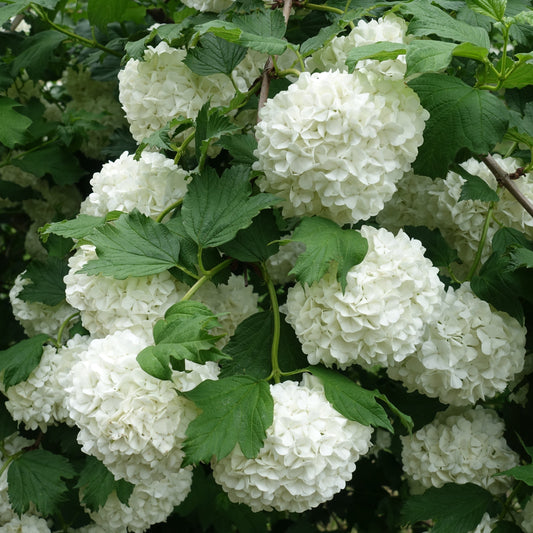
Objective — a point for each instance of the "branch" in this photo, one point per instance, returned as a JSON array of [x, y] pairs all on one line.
[[269, 65], [505, 180]]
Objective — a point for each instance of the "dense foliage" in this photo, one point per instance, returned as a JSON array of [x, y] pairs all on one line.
[[266, 266]]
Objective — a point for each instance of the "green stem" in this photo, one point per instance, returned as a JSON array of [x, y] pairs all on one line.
[[287, 71], [206, 277], [454, 277], [201, 261], [167, 210], [78, 38], [294, 372], [300, 59], [187, 271], [321, 7], [184, 144], [509, 500], [481, 245], [63, 326], [274, 352]]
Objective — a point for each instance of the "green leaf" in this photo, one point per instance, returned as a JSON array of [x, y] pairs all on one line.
[[327, 244], [96, 483], [77, 228], [47, 285], [438, 251], [215, 209], [251, 245], [479, 53], [182, 334], [124, 490], [380, 51], [102, 12], [55, 160], [316, 42], [522, 473], [454, 508], [36, 477], [235, 410], [431, 20], [520, 77], [13, 125], [6, 12], [475, 188], [134, 245], [521, 258], [240, 147], [210, 124], [16, 193], [214, 55], [506, 237], [460, 117], [428, 56], [268, 23], [7, 425], [351, 400], [19, 360], [251, 345], [490, 8], [506, 527], [37, 53]]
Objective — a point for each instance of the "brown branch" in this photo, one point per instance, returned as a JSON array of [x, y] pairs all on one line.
[[505, 180], [269, 65]]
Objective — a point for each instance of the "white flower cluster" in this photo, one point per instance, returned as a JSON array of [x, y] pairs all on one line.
[[459, 447], [435, 204], [162, 87], [527, 517], [486, 525], [39, 401], [148, 504], [307, 457], [150, 185], [380, 318], [335, 144], [132, 422], [281, 263], [26, 523], [469, 351], [215, 6], [389, 28], [36, 317]]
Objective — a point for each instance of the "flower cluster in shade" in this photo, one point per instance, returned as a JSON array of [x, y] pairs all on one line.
[[214, 6], [459, 446], [469, 352], [132, 422], [389, 28], [149, 184], [422, 201], [335, 144], [281, 263], [380, 318], [526, 521], [162, 87], [307, 457]]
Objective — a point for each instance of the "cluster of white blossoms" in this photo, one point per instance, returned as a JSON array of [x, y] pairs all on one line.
[[465, 446], [132, 422], [469, 352], [307, 457], [486, 525], [36, 317], [39, 401], [26, 523], [435, 204], [335, 144], [162, 87], [150, 185], [389, 28], [381, 316], [214, 6], [527, 517]]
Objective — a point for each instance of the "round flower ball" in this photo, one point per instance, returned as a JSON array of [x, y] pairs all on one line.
[[389, 28], [26, 523], [380, 318], [150, 185], [162, 87], [307, 457], [335, 144], [36, 317], [469, 351], [107, 304], [459, 447]]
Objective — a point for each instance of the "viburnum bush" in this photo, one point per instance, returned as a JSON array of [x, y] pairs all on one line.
[[266, 267]]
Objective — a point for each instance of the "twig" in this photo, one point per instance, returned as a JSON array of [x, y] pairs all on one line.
[[16, 21], [505, 180]]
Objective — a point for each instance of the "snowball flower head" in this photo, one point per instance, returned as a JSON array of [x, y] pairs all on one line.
[[389, 28], [39, 401], [132, 422], [335, 144], [108, 304], [162, 87], [307, 457], [215, 6], [469, 351], [459, 447], [36, 317], [149, 185], [148, 504], [381, 316], [527, 517], [26, 523]]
